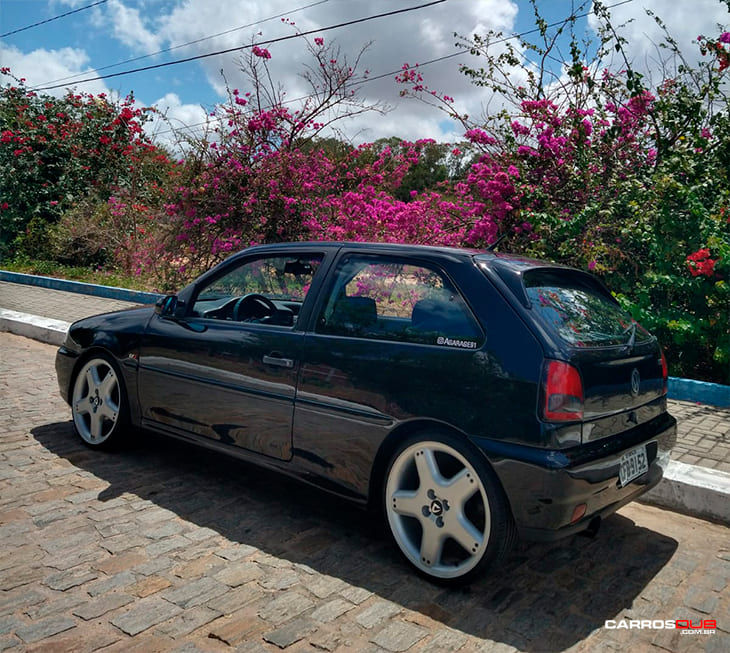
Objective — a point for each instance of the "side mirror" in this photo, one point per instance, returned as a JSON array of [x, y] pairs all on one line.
[[166, 306]]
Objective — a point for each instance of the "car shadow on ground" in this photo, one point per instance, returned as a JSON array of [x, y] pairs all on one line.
[[546, 597]]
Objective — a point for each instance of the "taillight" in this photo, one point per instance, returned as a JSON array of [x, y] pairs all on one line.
[[665, 374], [562, 392]]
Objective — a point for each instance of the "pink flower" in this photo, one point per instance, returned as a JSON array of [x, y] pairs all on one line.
[[480, 136], [592, 265], [724, 37], [261, 52], [319, 41], [519, 129]]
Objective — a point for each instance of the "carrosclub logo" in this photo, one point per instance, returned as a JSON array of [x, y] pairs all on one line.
[[685, 626]]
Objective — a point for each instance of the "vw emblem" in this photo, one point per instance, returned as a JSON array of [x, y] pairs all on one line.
[[635, 382]]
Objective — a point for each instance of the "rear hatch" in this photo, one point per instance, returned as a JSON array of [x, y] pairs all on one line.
[[620, 363]]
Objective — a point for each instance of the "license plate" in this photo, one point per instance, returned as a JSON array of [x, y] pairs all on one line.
[[633, 464]]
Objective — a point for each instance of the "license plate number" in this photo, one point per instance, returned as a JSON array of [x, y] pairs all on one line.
[[633, 464]]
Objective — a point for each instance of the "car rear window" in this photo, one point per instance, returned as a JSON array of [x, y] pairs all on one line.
[[579, 310]]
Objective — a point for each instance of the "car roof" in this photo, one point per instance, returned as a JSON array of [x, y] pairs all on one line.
[[499, 259], [337, 244]]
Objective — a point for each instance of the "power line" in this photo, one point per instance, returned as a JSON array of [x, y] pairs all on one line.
[[425, 63], [245, 47], [183, 45], [501, 40], [48, 20]]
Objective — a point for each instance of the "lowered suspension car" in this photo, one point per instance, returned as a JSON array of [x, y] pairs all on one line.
[[471, 397]]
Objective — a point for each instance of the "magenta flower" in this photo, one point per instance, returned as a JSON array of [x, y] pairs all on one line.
[[480, 136], [261, 52]]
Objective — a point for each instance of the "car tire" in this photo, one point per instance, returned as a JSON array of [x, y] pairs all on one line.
[[445, 508], [99, 403]]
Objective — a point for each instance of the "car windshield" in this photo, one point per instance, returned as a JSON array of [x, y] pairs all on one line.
[[579, 310]]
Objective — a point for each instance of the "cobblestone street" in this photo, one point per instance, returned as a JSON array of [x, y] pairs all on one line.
[[162, 546]]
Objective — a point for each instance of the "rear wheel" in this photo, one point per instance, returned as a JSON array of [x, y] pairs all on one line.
[[98, 403], [445, 508]]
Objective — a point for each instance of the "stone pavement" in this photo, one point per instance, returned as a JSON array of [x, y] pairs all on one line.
[[55, 304], [703, 435], [165, 547]]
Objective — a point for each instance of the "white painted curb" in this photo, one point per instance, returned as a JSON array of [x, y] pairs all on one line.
[[697, 491], [39, 328]]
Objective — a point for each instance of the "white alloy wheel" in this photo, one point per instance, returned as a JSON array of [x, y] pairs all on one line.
[[96, 403], [439, 511]]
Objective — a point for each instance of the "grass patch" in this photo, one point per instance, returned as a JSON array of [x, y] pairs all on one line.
[[98, 276]]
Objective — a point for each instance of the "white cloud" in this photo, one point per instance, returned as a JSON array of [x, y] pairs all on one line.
[[413, 37], [176, 120], [42, 66], [130, 29], [685, 21]]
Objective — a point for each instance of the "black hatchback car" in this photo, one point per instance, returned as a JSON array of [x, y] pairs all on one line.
[[470, 396]]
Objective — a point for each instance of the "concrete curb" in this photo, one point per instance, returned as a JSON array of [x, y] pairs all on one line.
[[80, 287], [696, 491], [43, 329], [700, 392]]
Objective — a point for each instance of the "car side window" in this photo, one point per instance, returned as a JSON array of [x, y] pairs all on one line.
[[266, 290], [395, 299]]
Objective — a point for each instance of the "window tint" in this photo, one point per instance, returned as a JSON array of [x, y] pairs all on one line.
[[267, 290], [276, 277], [579, 311], [389, 299]]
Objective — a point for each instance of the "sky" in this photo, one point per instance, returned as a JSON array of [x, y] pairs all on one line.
[[90, 41]]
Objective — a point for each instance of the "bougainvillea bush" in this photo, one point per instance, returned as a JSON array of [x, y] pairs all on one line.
[[61, 159], [613, 175], [592, 167]]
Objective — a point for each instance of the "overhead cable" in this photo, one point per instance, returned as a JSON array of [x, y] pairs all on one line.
[[48, 20], [249, 46]]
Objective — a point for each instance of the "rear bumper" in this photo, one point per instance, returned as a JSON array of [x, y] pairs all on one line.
[[544, 489]]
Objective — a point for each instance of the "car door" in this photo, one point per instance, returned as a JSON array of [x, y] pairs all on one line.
[[393, 339], [226, 369]]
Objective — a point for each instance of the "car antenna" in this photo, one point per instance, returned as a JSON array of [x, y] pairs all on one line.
[[493, 246]]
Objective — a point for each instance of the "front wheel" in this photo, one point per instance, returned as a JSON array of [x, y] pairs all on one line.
[[445, 508], [98, 403]]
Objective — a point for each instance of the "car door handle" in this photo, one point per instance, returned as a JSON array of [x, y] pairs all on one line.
[[275, 359]]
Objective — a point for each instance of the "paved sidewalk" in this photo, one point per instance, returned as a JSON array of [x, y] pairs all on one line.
[[703, 435], [164, 547], [55, 304]]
